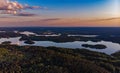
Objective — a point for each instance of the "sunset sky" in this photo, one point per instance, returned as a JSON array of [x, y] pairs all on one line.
[[60, 13]]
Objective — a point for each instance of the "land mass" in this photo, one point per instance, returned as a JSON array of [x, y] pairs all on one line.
[[97, 46], [115, 38], [36, 59]]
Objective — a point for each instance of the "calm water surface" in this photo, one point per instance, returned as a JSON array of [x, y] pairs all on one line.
[[111, 47]]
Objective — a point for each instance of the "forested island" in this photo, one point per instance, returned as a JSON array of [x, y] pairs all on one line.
[[36, 59], [97, 46]]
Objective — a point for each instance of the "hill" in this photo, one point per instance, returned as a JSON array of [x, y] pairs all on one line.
[[34, 59]]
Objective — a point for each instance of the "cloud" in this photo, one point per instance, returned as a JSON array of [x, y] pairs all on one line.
[[51, 19], [11, 21], [25, 14], [2, 2], [13, 7], [104, 19], [9, 7], [32, 7]]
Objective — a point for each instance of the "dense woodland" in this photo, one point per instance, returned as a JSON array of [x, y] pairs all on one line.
[[34, 59]]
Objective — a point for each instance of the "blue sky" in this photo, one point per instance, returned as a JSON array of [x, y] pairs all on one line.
[[69, 13], [73, 8], [63, 2], [60, 4]]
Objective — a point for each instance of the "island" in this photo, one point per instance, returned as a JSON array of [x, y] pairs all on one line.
[[6, 43], [29, 42], [97, 46]]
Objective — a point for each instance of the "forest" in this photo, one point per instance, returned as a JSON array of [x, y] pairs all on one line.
[[36, 59]]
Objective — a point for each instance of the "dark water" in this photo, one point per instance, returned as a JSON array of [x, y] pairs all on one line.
[[70, 30]]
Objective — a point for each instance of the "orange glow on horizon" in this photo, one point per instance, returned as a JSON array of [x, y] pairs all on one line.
[[59, 22]]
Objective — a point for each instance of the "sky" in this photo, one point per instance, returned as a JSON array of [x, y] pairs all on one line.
[[60, 13]]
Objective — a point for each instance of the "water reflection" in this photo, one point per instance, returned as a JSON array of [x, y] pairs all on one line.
[[111, 47]]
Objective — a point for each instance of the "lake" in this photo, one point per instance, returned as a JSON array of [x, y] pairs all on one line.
[[111, 47]]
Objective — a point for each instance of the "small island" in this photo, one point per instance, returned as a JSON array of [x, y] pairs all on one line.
[[97, 46], [6, 43], [29, 42]]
